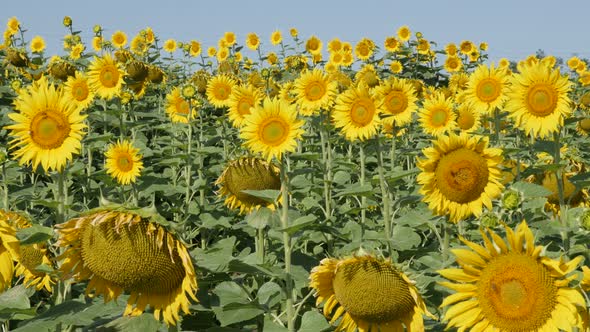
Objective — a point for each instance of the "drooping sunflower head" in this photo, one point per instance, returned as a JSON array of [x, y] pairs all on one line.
[[315, 90], [460, 175], [437, 116], [583, 126], [272, 128], [105, 76], [47, 128], [357, 113], [247, 174], [219, 89], [571, 195], [123, 162], [507, 285], [178, 108], [119, 250], [78, 90], [538, 99], [27, 257], [398, 101], [242, 99], [367, 293], [487, 88], [368, 75]]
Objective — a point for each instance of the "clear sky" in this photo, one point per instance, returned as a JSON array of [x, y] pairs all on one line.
[[513, 29]]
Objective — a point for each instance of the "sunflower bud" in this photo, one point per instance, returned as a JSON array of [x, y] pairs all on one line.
[[15, 85], [97, 29], [585, 220], [489, 220], [511, 200], [188, 91], [67, 21], [2, 155]]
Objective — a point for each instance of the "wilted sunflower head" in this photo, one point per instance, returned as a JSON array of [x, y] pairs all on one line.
[[17, 58], [156, 75], [137, 70], [118, 250], [247, 174], [61, 70], [509, 286], [27, 257], [367, 293]]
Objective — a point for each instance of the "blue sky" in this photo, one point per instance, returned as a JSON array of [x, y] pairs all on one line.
[[513, 29]]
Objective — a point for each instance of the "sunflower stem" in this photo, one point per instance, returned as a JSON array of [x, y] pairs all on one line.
[[60, 197], [384, 195], [327, 161], [362, 182], [445, 243], [287, 245], [497, 125], [560, 194], [392, 151], [260, 245], [187, 173], [4, 187]]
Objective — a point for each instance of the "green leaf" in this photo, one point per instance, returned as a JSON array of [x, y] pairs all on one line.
[[267, 195], [531, 189], [230, 292], [260, 218], [34, 234], [237, 312], [299, 224], [341, 177], [15, 298], [270, 294], [356, 189], [217, 257], [271, 326], [405, 238], [144, 322], [313, 321]]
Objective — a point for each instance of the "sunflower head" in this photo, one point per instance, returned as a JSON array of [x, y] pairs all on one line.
[[315, 90], [367, 293], [508, 285], [61, 70], [219, 89], [178, 108], [105, 76], [47, 128], [272, 128], [437, 116], [460, 175], [538, 99], [118, 250], [487, 88], [398, 101], [123, 162], [242, 99], [357, 113], [27, 257], [247, 174]]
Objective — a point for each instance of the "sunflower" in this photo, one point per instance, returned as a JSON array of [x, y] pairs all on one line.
[[97, 42], [105, 76], [118, 250], [391, 44], [571, 195], [404, 33], [460, 175], [247, 174], [123, 162], [357, 113], [363, 49], [538, 99], [37, 44], [119, 39], [242, 99], [510, 286], [487, 88], [367, 293], [396, 67], [468, 118], [398, 100], [27, 257], [313, 45], [48, 127], [272, 128], [219, 89], [276, 37], [368, 75], [315, 90], [170, 45], [453, 64], [586, 281], [437, 116], [583, 126], [466, 47], [252, 41], [177, 107], [195, 48], [78, 90]]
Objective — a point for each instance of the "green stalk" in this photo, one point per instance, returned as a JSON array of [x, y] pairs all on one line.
[[559, 179], [384, 195], [187, 173], [327, 161], [362, 181], [392, 151], [287, 246], [445, 243], [4, 187], [60, 197], [259, 242], [497, 125]]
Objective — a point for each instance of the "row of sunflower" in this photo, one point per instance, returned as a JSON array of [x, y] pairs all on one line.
[[134, 171]]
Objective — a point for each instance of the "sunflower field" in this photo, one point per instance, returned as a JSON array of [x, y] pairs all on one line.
[[291, 184]]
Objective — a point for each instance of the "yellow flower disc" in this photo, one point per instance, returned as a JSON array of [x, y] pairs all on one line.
[[373, 291], [396, 102], [273, 131], [31, 257], [439, 117], [462, 175], [541, 99], [362, 112], [315, 91], [80, 91], [49, 129], [585, 124], [131, 259], [515, 290], [109, 76], [488, 90], [466, 120]]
